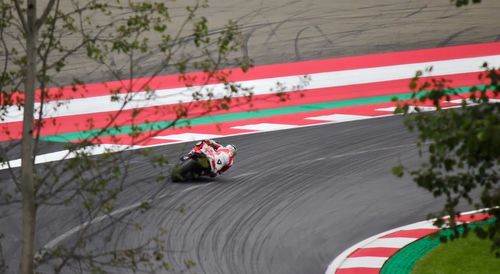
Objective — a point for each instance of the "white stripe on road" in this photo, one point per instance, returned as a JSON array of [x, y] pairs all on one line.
[[188, 137], [368, 262], [411, 109], [458, 102], [257, 87], [390, 242], [469, 102], [265, 127], [66, 154], [339, 117]]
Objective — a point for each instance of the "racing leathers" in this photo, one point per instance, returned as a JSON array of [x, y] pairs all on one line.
[[220, 157]]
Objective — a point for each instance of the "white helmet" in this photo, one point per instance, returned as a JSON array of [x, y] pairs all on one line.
[[232, 148]]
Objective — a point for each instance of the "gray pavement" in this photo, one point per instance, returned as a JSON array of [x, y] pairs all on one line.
[[294, 200], [291, 30]]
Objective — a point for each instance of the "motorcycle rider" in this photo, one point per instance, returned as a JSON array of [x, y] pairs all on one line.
[[220, 157]]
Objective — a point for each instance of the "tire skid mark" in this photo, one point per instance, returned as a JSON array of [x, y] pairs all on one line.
[[251, 222], [57, 240]]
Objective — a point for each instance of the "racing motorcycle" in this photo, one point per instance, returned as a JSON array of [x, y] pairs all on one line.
[[192, 165]]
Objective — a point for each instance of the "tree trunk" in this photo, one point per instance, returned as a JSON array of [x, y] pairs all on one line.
[[27, 157]]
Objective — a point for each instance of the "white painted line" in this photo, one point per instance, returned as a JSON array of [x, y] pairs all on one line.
[[66, 154], [339, 117], [420, 225], [265, 127], [369, 262], [469, 102], [387, 109], [459, 101], [188, 137], [257, 87], [390, 242], [411, 109]]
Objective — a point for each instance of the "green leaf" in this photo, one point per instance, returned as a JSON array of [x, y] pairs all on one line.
[[398, 171]]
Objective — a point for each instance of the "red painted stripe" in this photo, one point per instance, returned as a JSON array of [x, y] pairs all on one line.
[[278, 70], [358, 270], [414, 233], [290, 119], [147, 138], [225, 128], [161, 113], [374, 252], [473, 217]]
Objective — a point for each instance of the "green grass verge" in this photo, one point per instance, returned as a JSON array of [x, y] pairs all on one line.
[[465, 255]]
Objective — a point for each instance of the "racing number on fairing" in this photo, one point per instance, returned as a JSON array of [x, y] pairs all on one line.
[[219, 162]]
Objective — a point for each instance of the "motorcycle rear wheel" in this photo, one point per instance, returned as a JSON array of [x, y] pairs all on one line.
[[184, 171]]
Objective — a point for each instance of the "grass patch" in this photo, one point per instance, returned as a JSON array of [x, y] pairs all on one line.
[[464, 255]]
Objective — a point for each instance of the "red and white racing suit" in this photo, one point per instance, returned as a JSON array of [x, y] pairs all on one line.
[[219, 157]]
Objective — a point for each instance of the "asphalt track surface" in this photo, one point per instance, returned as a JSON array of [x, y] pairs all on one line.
[[295, 198], [293, 201], [281, 31]]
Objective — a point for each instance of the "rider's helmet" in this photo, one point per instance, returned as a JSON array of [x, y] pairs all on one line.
[[231, 148]]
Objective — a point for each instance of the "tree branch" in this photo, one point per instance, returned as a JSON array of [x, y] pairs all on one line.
[[48, 9], [20, 14]]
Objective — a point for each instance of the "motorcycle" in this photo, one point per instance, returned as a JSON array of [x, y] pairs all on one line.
[[193, 165]]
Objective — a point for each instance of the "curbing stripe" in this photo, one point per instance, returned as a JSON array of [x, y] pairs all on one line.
[[154, 114], [160, 125], [404, 261], [473, 218], [113, 103], [370, 262], [414, 233], [374, 252], [358, 270], [344, 263], [390, 242]]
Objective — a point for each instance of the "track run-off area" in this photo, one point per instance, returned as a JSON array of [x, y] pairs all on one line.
[[312, 176], [283, 96]]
